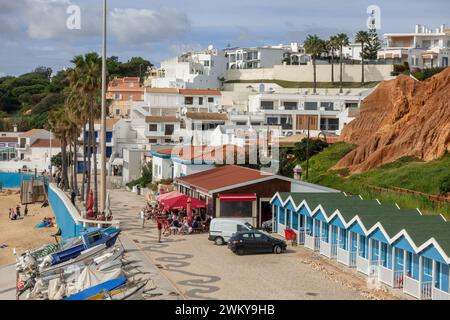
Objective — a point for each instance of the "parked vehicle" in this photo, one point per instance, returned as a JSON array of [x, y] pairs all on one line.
[[255, 242], [221, 229]]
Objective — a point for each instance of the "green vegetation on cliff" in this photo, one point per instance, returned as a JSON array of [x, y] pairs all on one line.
[[407, 173]]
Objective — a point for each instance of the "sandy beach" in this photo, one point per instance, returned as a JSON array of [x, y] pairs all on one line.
[[21, 234]]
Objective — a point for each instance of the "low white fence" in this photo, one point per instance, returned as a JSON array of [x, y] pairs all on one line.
[[325, 249], [386, 276], [362, 265], [438, 294], [309, 242], [411, 287], [343, 256]]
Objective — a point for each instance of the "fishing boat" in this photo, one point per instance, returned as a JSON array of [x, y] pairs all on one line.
[[91, 239]]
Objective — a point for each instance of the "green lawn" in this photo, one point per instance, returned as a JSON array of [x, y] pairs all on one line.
[[406, 173], [321, 85]]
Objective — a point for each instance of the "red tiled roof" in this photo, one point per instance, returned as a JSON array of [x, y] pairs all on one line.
[[200, 92], [8, 139], [45, 143], [222, 177], [205, 153]]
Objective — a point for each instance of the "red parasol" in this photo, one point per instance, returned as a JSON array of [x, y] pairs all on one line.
[[90, 205], [189, 211]]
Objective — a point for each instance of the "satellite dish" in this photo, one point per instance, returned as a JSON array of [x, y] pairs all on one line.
[[184, 110]]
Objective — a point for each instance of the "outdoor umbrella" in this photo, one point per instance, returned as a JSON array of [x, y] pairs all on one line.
[[90, 205], [189, 211], [182, 202], [168, 195]]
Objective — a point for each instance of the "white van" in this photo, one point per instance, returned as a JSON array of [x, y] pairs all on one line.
[[221, 229]]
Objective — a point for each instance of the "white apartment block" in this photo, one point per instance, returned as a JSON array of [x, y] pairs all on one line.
[[254, 58], [295, 113], [192, 70], [424, 48]]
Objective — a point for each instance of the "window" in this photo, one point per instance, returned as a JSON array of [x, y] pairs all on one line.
[[272, 120], [248, 237], [130, 97], [206, 63], [117, 112], [267, 105], [169, 129], [2, 144], [289, 105], [152, 141], [310, 105], [117, 96], [200, 100], [153, 127], [210, 100], [328, 106], [168, 140], [241, 228], [189, 100], [427, 266], [259, 237]]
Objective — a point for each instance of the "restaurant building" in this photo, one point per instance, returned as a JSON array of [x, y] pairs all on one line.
[[232, 191]]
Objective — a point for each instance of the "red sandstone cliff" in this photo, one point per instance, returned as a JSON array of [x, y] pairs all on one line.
[[402, 117]]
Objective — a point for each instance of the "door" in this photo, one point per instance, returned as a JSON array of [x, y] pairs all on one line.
[[265, 211], [275, 219], [249, 243], [262, 243]]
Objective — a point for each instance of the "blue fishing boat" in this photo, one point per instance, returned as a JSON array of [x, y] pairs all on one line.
[[89, 240], [92, 291]]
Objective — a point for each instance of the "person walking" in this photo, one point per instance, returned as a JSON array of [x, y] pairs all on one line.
[[142, 216], [159, 226], [25, 212]]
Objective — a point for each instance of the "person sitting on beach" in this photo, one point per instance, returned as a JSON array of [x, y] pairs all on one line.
[[18, 210], [12, 214], [25, 212], [49, 222], [44, 204]]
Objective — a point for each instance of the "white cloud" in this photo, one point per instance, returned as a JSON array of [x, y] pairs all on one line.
[[46, 20], [143, 25]]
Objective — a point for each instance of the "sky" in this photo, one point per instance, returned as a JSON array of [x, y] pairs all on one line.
[[34, 32]]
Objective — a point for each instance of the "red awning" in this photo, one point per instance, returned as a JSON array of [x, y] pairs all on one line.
[[182, 202], [237, 197]]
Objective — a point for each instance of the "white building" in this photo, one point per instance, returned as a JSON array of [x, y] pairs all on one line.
[[132, 164], [254, 58], [424, 48], [328, 113], [192, 70], [35, 150]]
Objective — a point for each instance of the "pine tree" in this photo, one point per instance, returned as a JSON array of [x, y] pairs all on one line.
[[372, 47]]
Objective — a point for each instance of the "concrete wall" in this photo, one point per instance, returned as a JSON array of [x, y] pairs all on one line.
[[304, 73]]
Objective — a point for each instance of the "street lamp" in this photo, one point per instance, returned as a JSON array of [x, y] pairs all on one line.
[[103, 119]]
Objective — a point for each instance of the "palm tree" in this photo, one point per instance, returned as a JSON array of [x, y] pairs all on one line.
[[342, 41], [314, 46], [58, 123], [363, 38], [87, 82], [331, 46]]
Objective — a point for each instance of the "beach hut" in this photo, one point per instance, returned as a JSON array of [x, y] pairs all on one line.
[[398, 247]]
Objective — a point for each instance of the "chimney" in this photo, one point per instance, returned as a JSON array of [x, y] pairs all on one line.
[[298, 171]]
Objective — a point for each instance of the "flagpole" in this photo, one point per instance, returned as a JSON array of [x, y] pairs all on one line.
[[103, 120]]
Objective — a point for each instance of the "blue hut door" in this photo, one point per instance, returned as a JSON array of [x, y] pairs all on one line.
[[288, 219], [334, 241], [353, 248], [375, 251]]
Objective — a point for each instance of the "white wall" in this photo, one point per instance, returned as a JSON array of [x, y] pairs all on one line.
[[162, 168], [304, 73]]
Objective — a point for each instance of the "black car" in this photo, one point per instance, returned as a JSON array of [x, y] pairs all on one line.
[[255, 242]]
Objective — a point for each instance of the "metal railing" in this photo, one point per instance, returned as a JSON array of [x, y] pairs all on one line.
[[398, 279]]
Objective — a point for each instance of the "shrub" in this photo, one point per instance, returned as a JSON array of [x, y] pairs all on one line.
[[444, 185]]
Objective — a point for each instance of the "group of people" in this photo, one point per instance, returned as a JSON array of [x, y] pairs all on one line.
[[174, 221], [14, 214]]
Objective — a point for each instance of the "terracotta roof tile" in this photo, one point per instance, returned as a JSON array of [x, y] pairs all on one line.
[[31, 132], [200, 92], [161, 119], [8, 139], [221, 177], [45, 143], [207, 116]]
